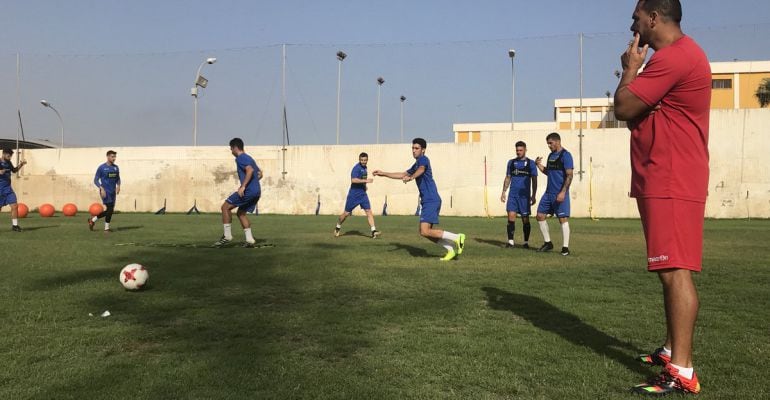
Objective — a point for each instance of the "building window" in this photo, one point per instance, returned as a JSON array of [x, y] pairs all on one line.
[[721, 83]]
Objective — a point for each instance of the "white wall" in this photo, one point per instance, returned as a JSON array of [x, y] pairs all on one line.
[[739, 185]]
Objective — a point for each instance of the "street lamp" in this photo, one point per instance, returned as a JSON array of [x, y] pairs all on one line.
[[340, 56], [403, 99], [512, 54], [202, 82], [45, 103], [380, 81]]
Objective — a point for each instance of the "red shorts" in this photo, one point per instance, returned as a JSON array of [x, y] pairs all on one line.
[[673, 229]]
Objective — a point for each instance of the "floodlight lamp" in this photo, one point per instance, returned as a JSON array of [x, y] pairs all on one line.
[[403, 99], [211, 60], [380, 81], [511, 53], [45, 103], [617, 74], [607, 93], [341, 55], [201, 81]]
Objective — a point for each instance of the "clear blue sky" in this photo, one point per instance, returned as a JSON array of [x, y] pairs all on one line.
[[120, 72]]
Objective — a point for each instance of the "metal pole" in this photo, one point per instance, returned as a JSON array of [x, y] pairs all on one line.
[[339, 87], [195, 118], [580, 134], [379, 87], [283, 101], [513, 94], [18, 102], [402, 118]]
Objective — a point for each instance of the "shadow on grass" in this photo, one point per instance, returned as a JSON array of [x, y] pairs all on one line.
[[547, 317], [75, 278], [35, 228], [496, 243], [129, 228], [413, 251], [355, 233]]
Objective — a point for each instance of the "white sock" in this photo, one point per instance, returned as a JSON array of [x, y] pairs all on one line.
[[106, 226], [94, 218], [685, 372], [373, 228], [228, 231], [544, 230], [339, 226], [249, 238], [14, 221], [666, 351], [565, 233], [510, 242], [450, 236], [447, 244]]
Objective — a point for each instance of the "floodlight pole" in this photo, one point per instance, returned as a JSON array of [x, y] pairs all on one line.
[[61, 122], [380, 81], [403, 99], [512, 54], [194, 94], [340, 56]]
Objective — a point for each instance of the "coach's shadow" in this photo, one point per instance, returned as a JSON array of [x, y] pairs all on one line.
[[547, 317], [413, 251]]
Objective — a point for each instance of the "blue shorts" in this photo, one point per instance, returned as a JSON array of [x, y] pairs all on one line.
[[518, 204], [430, 212], [355, 200], [7, 196], [245, 203], [109, 197], [548, 205]]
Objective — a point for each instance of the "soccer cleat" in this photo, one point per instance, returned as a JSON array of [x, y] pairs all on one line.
[[565, 251], [657, 357], [525, 245], [509, 245], [669, 381], [108, 231], [336, 232], [460, 242], [91, 223], [375, 234], [547, 246], [16, 228], [221, 242], [450, 255], [248, 245]]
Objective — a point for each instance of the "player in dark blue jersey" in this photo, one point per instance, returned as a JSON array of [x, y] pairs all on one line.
[[555, 201], [107, 179], [245, 198], [520, 175], [429, 199], [357, 196], [7, 195]]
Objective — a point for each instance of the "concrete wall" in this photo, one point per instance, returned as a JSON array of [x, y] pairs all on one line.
[[740, 182]]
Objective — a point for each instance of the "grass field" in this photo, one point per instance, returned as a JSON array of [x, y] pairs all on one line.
[[315, 316]]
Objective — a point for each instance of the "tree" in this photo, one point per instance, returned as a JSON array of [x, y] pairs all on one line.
[[763, 93]]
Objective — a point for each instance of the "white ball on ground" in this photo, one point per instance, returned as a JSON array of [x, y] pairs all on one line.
[[134, 276]]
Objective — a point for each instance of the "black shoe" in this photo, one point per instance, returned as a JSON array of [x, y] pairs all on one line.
[[336, 232], [525, 246], [222, 242], [16, 228], [248, 245], [547, 246], [375, 234], [508, 245], [565, 251]]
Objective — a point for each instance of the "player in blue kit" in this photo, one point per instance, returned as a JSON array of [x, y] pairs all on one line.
[[520, 175], [107, 179], [245, 198], [357, 196], [7, 195], [430, 201], [555, 201]]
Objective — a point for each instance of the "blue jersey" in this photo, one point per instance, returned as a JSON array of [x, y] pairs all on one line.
[[425, 182], [107, 177], [358, 172], [252, 188], [521, 173], [5, 177], [556, 170]]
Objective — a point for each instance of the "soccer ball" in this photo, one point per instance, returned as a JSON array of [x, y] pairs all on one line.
[[133, 276]]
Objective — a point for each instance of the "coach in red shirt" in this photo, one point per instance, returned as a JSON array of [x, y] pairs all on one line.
[[667, 108]]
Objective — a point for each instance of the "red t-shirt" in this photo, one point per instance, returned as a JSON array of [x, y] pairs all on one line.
[[669, 149]]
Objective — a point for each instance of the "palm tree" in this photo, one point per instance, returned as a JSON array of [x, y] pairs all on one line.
[[763, 93]]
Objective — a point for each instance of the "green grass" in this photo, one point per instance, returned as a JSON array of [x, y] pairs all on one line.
[[356, 318]]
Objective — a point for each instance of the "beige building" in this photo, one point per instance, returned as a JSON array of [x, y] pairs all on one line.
[[733, 86]]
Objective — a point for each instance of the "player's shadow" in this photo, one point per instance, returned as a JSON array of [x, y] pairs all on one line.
[[129, 228], [413, 251], [496, 243], [547, 317], [34, 228], [354, 233], [73, 278]]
